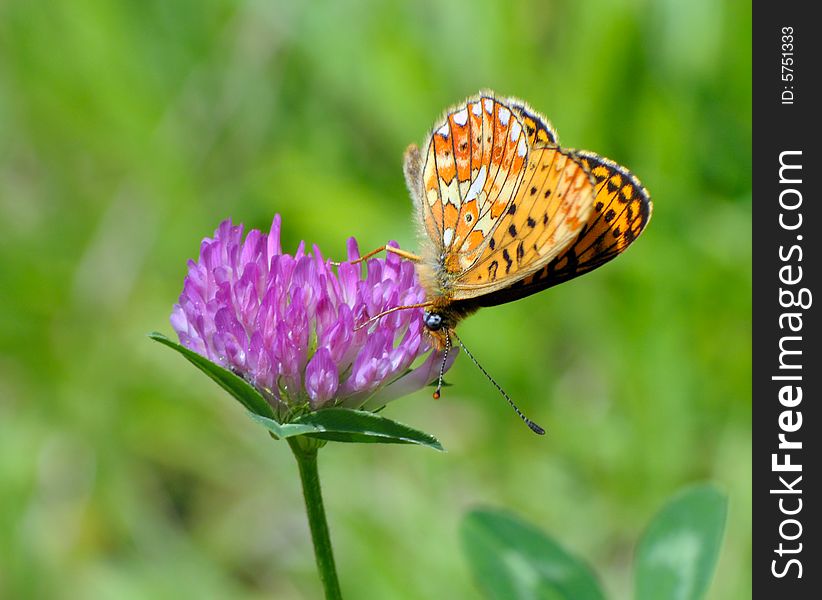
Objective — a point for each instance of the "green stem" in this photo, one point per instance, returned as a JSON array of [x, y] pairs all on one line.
[[306, 455]]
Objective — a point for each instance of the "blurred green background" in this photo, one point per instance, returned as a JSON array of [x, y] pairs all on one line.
[[129, 130]]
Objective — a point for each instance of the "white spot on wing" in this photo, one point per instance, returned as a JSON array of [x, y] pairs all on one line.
[[451, 193], [515, 129], [489, 105], [522, 149], [476, 109], [504, 113], [461, 117], [448, 236], [444, 130], [477, 184]]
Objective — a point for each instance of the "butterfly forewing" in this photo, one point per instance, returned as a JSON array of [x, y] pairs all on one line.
[[622, 209], [546, 213]]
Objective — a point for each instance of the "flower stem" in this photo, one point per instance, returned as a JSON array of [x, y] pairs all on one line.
[[306, 455]]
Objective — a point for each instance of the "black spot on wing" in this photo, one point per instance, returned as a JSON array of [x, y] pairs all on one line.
[[567, 261], [508, 261], [492, 270], [624, 196]]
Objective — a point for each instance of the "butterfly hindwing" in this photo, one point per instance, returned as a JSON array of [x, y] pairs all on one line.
[[473, 163]]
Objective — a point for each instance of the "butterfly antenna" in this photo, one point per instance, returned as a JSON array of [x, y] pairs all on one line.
[[534, 427], [442, 366]]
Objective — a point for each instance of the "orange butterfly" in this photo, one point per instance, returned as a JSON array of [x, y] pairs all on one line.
[[507, 212]]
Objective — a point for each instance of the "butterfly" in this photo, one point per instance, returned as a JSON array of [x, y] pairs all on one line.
[[504, 211]]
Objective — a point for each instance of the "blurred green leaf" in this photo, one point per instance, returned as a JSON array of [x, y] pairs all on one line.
[[347, 425], [511, 560], [233, 384], [677, 554]]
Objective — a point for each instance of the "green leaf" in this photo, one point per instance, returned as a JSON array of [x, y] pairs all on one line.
[[347, 425], [513, 560], [677, 554], [233, 384], [282, 430], [333, 424]]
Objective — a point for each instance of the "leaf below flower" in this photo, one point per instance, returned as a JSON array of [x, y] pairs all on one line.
[[333, 424], [348, 425], [235, 385]]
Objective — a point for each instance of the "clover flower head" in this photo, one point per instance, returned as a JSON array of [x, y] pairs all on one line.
[[288, 323]]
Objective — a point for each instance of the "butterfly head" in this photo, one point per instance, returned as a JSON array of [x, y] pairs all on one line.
[[433, 321], [442, 318], [437, 326]]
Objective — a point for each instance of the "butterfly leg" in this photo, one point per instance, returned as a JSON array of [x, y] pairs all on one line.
[[402, 253]]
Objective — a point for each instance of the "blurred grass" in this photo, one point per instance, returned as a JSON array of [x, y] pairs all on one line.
[[129, 130]]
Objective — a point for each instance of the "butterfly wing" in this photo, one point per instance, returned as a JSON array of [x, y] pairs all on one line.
[[545, 214], [537, 128], [471, 183], [508, 212], [622, 209]]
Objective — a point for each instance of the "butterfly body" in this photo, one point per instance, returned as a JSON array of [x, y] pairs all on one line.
[[505, 212]]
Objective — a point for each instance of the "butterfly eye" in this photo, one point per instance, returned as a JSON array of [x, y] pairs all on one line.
[[432, 321]]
